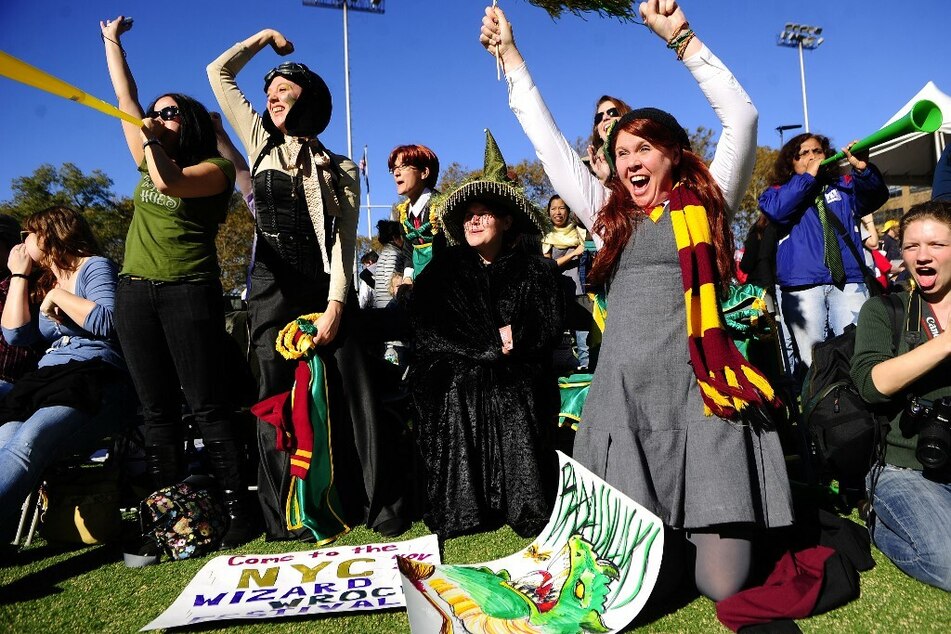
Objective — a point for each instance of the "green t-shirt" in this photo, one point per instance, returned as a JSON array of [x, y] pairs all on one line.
[[173, 239]]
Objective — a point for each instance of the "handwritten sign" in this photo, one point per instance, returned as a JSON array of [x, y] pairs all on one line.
[[325, 581]]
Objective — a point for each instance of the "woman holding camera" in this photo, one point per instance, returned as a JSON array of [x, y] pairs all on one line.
[[910, 491]]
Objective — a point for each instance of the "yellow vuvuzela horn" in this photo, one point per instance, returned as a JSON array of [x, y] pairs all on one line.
[[925, 116], [20, 71]]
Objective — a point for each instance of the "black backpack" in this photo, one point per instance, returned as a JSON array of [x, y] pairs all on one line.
[[842, 430]]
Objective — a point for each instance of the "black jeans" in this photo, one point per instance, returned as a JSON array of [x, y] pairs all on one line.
[[171, 335]]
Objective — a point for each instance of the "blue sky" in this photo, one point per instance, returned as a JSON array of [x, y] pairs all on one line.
[[419, 75]]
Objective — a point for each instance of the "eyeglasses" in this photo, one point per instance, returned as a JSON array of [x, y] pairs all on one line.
[[23, 235], [816, 151], [402, 168], [610, 112], [166, 114], [480, 218]]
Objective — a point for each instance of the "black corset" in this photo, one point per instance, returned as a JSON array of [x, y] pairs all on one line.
[[286, 239]]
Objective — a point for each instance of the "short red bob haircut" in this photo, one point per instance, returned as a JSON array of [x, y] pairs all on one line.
[[420, 157]]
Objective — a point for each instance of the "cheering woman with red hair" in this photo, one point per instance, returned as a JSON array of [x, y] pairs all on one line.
[[673, 415]]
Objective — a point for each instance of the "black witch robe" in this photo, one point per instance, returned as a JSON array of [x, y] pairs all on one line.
[[486, 420]]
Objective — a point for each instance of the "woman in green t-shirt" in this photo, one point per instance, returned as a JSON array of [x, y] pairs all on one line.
[[169, 311]]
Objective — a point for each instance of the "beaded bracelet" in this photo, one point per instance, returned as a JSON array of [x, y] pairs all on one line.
[[680, 39], [675, 39], [682, 48]]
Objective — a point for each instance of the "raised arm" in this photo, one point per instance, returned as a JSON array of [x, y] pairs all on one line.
[[195, 181], [122, 82], [16, 308], [234, 105], [569, 176], [229, 151], [735, 154]]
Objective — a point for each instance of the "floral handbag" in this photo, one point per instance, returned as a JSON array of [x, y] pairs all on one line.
[[185, 519]]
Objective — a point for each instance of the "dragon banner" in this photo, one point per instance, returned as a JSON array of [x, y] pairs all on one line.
[[591, 570]]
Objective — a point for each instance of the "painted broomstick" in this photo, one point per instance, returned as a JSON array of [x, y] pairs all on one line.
[[622, 9], [20, 71]]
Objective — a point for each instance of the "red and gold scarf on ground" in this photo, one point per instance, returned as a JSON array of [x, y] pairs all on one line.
[[728, 383]]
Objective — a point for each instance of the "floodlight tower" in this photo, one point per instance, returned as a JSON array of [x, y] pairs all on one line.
[[801, 36], [368, 6], [784, 128]]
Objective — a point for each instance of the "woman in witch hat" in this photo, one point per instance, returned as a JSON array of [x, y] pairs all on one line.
[[486, 315]]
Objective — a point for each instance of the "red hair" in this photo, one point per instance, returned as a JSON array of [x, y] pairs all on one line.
[[420, 157], [619, 217]]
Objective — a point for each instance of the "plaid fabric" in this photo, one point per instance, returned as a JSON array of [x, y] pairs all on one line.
[[728, 384], [15, 361]]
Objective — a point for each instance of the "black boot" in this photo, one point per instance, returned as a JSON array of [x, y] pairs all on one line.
[[224, 458], [164, 464]]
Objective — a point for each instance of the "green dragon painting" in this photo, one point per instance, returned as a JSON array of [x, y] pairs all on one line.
[[486, 602]]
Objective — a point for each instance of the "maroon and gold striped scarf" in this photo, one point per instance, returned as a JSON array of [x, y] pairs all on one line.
[[728, 383]]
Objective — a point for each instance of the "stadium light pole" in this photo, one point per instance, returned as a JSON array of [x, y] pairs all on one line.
[[801, 36], [368, 6], [783, 128]]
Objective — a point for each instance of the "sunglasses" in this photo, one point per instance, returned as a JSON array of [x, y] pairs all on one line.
[[166, 114], [610, 112]]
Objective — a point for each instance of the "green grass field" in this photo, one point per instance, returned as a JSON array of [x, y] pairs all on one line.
[[90, 590]]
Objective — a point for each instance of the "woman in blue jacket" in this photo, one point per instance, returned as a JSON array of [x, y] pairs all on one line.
[[822, 288]]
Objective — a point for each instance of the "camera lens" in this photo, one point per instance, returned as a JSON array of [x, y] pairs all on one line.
[[934, 444]]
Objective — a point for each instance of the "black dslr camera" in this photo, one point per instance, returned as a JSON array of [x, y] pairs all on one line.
[[931, 420]]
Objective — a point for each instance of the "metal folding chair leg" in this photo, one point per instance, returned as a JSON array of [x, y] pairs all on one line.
[[29, 519]]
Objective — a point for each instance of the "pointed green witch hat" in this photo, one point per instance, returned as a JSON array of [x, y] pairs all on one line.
[[497, 191]]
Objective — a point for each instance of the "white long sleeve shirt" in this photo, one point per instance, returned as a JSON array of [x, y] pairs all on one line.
[[733, 160]]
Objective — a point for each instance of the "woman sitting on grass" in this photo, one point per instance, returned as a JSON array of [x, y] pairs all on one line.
[[911, 491]]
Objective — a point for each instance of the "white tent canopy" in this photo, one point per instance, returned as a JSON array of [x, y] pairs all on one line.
[[910, 159]]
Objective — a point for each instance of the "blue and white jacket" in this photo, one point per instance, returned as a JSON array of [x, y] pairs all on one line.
[[800, 252]]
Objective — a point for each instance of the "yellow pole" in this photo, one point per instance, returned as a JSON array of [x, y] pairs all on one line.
[[22, 72]]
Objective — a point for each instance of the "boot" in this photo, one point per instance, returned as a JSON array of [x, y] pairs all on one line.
[[164, 464], [224, 458]]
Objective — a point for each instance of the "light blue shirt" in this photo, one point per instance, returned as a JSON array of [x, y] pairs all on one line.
[[94, 339]]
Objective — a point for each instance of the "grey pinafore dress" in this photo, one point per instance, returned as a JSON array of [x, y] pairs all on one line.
[[643, 428]]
